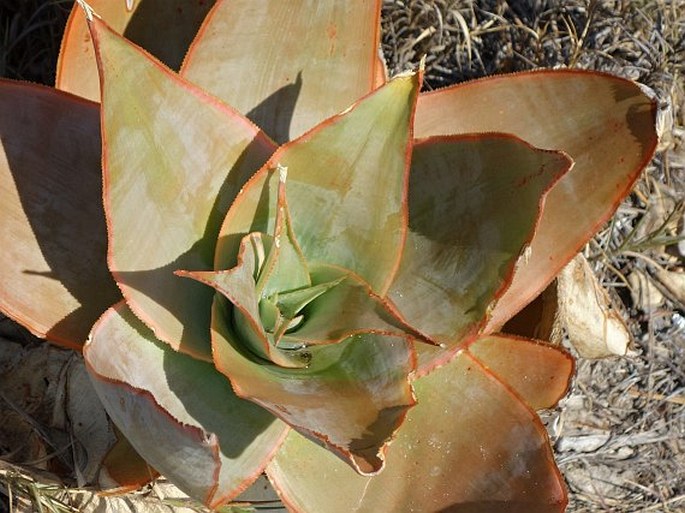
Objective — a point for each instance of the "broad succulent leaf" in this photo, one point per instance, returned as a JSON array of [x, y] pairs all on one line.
[[604, 123], [468, 445], [354, 168], [281, 305], [53, 274], [351, 396], [290, 80], [164, 208], [474, 202], [163, 27], [179, 413], [538, 372], [337, 306], [345, 380]]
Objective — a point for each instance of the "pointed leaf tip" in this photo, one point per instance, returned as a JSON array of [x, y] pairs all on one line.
[[164, 28], [452, 268], [606, 125], [295, 71], [87, 10], [183, 179], [353, 167], [469, 445]]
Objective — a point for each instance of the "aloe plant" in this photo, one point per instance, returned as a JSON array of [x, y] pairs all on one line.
[[289, 263]]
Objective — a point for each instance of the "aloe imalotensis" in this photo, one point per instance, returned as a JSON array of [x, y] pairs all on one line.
[[277, 260]]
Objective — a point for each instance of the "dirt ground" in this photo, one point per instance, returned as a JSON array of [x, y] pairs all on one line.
[[619, 436]]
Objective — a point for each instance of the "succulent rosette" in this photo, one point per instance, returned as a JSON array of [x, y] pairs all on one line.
[[284, 262]]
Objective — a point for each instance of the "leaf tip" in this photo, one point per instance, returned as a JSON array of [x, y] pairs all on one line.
[[282, 173], [87, 10]]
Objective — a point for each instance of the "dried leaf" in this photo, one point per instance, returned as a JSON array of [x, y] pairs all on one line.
[[644, 293], [673, 282], [51, 417], [593, 328], [583, 442]]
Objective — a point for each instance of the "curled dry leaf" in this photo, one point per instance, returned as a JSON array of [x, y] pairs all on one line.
[[574, 304], [644, 293], [593, 328], [673, 282]]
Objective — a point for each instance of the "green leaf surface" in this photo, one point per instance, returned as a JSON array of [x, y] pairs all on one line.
[[53, 274], [604, 123], [287, 65], [347, 308], [239, 286], [474, 202], [290, 303], [346, 188], [180, 414], [165, 28], [338, 306], [285, 267], [468, 446], [351, 396], [540, 373], [174, 159]]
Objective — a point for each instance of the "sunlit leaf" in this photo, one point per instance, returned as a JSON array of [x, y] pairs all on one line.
[[352, 395], [53, 272], [604, 123], [167, 190], [469, 446], [165, 28], [538, 372], [352, 170], [474, 202], [288, 80], [180, 414]]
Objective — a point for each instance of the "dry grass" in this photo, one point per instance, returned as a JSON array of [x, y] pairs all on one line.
[[620, 434]]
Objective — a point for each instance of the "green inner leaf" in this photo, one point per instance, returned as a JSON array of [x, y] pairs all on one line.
[[285, 267], [351, 395], [279, 310], [291, 303], [347, 185]]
